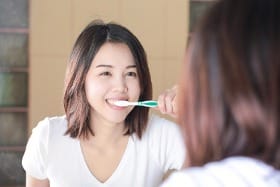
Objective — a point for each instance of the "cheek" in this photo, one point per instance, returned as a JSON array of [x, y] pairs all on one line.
[[92, 89], [135, 88]]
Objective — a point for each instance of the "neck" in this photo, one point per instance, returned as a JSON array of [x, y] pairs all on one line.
[[106, 132]]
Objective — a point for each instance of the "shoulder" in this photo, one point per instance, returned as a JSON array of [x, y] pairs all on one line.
[[239, 165], [179, 179], [232, 171], [35, 158], [49, 125], [162, 131], [165, 142], [53, 122], [194, 177], [49, 129], [161, 126]]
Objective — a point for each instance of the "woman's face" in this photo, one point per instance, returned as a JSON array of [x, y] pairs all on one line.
[[112, 76]]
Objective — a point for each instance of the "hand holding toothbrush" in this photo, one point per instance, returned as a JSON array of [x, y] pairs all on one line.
[[166, 103]]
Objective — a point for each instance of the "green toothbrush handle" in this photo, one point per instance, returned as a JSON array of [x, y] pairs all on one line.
[[148, 103]]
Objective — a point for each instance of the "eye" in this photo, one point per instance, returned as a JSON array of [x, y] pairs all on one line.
[[132, 74], [105, 73]]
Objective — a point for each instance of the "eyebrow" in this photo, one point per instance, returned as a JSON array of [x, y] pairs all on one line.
[[110, 66]]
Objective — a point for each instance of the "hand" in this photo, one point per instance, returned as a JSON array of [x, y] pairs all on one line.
[[167, 103]]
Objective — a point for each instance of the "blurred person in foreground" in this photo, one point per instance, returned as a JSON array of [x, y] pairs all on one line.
[[228, 97]]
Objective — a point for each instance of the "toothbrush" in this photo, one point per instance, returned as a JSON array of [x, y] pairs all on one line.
[[139, 103]]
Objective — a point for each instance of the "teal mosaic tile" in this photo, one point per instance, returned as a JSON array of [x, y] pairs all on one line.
[[13, 129], [14, 14], [13, 89], [13, 50], [11, 171]]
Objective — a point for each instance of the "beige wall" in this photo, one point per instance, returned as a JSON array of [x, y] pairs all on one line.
[[161, 26]]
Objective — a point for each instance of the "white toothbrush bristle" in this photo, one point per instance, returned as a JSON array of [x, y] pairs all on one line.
[[121, 103]]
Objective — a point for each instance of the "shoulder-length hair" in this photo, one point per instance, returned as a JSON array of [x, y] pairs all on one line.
[[85, 48], [229, 99]]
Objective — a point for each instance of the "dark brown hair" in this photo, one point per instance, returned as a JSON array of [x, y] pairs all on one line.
[[230, 86], [86, 47]]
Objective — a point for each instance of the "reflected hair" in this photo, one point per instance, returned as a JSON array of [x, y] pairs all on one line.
[[87, 45], [230, 86]]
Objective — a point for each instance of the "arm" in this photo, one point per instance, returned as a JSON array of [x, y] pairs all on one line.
[[35, 156], [167, 102], [33, 182]]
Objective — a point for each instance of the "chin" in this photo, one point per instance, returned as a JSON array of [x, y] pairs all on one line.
[[116, 120]]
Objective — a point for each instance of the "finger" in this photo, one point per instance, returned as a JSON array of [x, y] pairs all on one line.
[[175, 108], [169, 103], [161, 103]]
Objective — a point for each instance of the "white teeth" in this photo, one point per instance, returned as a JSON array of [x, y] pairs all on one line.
[[121, 103], [111, 101], [114, 101]]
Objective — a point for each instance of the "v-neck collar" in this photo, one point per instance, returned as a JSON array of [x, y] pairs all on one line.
[[116, 171]]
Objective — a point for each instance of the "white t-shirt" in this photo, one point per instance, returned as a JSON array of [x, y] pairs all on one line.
[[53, 155], [230, 172]]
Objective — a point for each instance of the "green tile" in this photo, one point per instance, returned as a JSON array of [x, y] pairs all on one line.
[[13, 129], [14, 13], [13, 89], [197, 8], [13, 50], [11, 171]]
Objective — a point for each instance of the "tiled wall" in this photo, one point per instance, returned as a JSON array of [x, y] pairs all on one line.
[[14, 34]]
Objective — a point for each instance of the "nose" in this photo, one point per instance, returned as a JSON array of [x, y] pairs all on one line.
[[120, 84]]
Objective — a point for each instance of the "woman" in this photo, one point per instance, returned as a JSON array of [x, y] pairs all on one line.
[[98, 143], [228, 103]]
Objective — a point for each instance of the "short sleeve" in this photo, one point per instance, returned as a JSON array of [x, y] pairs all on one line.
[[168, 144], [34, 160]]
